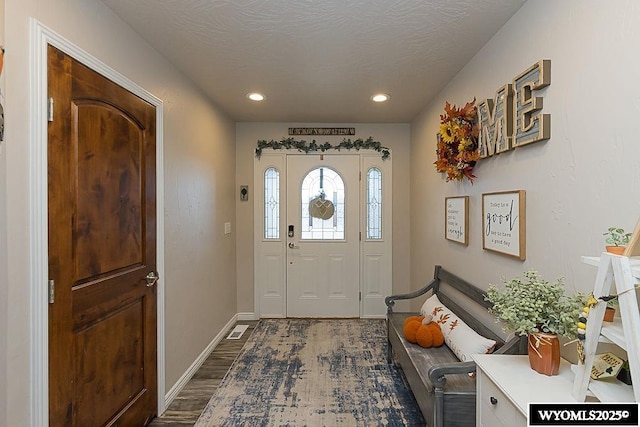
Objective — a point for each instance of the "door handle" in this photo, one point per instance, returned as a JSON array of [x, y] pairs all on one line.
[[292, 246], [151, 278]]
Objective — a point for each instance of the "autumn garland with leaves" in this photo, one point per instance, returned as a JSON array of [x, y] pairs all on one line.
[[458, 142]]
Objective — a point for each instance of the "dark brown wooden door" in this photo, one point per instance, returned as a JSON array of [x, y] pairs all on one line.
[[102, 245]]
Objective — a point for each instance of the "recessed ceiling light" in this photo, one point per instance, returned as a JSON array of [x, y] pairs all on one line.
[[255, 96], [380, 97]]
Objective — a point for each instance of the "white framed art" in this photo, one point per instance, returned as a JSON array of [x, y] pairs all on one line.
[[504, 223], [456, 219]]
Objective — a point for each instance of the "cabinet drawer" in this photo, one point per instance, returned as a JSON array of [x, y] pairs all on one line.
[[487, 417], [494, 402]]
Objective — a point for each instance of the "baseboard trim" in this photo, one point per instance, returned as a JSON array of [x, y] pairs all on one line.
[[247, 316], [184, 379]]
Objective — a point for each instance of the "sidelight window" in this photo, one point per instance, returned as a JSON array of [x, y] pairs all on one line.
[[374, 204], [271, 204]]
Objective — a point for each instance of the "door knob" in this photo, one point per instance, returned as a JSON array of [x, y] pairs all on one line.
[[151, 278], [292, 246]]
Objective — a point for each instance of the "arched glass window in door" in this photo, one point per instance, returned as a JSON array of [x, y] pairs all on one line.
[[271, 203], [374, 204], [323, 210]]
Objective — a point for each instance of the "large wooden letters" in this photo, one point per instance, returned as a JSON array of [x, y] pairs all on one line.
[[496, 118], [530, 125], [513, 118]]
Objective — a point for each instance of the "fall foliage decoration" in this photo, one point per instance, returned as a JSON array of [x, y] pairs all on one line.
[[457, 147]]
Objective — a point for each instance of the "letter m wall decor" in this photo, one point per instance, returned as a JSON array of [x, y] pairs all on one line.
[[495, 117]]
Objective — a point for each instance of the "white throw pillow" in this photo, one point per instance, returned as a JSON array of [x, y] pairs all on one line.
[[458, 336]]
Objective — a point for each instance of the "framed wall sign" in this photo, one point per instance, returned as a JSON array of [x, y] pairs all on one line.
[[504, 223], [456, 219]]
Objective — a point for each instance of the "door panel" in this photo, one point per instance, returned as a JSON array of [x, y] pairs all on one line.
[[108, 378], [109, 223], [323, 275], [102, 231]]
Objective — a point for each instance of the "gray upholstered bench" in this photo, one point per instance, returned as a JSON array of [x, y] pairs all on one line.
[[440, 381]]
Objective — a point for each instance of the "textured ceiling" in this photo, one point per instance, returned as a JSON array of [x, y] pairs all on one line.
[[318, 60]]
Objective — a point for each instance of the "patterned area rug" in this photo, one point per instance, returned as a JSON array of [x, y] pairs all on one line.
[[307, 372]]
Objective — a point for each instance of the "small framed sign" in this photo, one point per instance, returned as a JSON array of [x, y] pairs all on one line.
[[504, 223], [456, 219]]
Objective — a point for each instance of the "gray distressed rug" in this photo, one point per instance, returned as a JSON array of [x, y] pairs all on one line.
[[307, 372]]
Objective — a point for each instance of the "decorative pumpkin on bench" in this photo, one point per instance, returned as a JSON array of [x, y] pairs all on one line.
[[423, 331]]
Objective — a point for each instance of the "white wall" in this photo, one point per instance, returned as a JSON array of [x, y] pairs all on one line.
[[199, 179], [3, 253], [394, 136], [583, 180]]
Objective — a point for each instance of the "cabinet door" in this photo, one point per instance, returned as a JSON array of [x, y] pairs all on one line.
[[493, 406]]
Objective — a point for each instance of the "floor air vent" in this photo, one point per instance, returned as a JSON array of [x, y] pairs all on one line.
[[237, 332]]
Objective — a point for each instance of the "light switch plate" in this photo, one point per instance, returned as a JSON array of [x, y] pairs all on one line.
[[227, 228]]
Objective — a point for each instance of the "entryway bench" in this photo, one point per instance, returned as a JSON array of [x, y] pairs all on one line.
[[444, 385]]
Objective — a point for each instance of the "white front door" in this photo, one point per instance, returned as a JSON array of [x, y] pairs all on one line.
[[331, 270], [322, 234]]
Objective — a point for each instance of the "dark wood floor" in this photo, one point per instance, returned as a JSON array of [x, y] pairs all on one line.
[[188, 405]]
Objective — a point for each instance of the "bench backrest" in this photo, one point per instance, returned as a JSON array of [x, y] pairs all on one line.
[[443, 280]]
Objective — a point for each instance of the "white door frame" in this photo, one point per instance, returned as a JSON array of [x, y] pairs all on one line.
[[41, 36], [375, 255]]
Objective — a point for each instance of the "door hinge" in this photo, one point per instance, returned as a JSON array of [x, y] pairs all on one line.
[[50, 109], [360, 176], [360, 296], [52, 291], [360, 237]]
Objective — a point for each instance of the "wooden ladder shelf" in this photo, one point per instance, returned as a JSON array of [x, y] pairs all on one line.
[[623, 332]]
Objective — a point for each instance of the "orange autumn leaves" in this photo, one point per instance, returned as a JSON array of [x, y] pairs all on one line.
[[457, 148]]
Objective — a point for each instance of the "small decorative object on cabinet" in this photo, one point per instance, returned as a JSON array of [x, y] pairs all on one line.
[[623, 332], [533, 306], [544, 353]]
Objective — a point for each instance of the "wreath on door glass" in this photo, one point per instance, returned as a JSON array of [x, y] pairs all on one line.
[[319, 206]]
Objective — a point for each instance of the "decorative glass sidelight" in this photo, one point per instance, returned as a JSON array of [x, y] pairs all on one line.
[[374, 204], [271, 203], [322, 210]]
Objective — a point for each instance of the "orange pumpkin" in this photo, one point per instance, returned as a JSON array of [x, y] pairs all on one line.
[[424, 337], [411, 318], [436, 333], [410, 328]]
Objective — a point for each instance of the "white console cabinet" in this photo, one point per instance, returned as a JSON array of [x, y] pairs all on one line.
[[506, 385]]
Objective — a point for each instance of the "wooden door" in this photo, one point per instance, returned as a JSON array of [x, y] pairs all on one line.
[[323, 261], [102, 245]]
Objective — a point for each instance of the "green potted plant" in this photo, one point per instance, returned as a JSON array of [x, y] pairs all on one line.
[[532, 306], [617, 240]]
